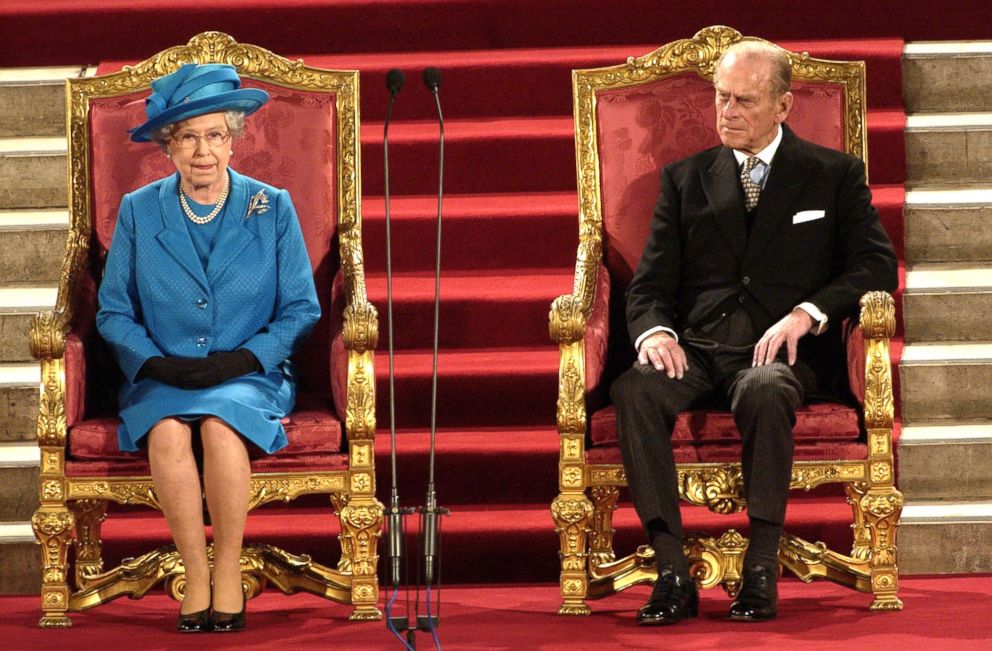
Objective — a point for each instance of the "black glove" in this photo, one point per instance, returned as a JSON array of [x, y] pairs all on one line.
[[220, 367], [200, 372], [169, 370]]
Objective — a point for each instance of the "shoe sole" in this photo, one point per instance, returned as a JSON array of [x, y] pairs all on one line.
[[738, 618], [668, 622]]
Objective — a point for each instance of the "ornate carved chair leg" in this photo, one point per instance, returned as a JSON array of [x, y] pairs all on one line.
[[861, 549], [572, 513], [361, 526], [604, 503], [90, 515], [53, 529], [881, 508], [340, 501]]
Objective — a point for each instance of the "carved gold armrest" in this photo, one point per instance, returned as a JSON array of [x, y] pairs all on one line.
[[567, 319], [48, 332], [361, 327], [878, 325]]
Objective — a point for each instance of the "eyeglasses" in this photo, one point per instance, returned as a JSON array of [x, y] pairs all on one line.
[[191, 139]]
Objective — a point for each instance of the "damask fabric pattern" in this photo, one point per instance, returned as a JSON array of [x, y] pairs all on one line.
[[257, 292]]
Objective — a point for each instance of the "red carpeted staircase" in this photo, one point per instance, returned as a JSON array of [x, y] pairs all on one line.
[[508, 249]]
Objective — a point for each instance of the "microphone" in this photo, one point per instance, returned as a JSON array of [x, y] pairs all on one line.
[[432, 79], [394, 83]]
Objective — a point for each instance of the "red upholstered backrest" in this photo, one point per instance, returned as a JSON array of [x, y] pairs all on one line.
[[642, 128], [289, 143]]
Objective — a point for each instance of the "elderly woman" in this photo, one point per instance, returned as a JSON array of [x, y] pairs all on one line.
[[207, 292]]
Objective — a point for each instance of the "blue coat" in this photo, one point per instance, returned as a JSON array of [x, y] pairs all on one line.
[[256, 292]]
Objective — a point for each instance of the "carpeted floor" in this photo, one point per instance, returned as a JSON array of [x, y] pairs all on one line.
[[940, 613]]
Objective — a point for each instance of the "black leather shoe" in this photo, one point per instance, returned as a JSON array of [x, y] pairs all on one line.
[[229, 622], [673, 599], [758, 599], [198, 622]]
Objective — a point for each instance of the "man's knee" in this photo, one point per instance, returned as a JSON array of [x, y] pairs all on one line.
[[630, 387], [766, 387]]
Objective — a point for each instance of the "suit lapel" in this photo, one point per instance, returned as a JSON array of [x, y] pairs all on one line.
[[788, 175], [726, 200], [234, 234], [174, 237]]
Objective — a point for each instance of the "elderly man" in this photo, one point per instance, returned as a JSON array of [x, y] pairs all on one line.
[[757, 247]]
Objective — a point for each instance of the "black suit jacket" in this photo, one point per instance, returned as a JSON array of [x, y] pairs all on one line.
[[699, 258]]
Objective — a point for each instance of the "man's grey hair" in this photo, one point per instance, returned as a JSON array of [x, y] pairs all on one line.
[[781, 67], [235, 124]]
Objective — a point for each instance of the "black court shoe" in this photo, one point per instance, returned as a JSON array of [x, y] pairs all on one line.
[[758, 599], [198, 622], [229, 622], [674, 598]]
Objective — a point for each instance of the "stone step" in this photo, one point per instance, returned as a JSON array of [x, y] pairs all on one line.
[[18, 305], [20, 560], [32, 100], [948, 302], [33, 245], [948, 148], [946, 461], [946, 381], [19, 464], [33, 173], [19, 401], [947, 76], [945, 537], [949, 224]]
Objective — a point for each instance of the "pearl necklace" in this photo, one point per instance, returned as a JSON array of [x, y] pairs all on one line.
[[209, 217]]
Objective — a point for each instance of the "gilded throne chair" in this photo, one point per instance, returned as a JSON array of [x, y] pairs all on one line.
[[631, 120], [306, 139]]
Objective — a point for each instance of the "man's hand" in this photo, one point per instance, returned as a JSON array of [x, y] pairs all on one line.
[[789, 331], [664, 353]]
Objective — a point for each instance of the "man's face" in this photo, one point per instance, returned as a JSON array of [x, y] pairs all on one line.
[[747, 114]]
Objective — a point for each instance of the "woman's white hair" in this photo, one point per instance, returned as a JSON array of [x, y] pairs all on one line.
[[235, 124]]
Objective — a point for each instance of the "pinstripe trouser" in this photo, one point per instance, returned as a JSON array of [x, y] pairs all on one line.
[[763, 401]]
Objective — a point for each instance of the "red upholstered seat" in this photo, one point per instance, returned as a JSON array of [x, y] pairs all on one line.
[[818, 422], [309, 430], [640, 129], [290, 143]]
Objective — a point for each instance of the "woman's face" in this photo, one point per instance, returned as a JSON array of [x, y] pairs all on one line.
[[200, 148]]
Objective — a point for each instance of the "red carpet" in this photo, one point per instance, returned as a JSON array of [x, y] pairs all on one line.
[[940, 613], [509, 248]]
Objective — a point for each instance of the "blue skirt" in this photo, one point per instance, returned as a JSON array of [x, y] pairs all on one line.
[[252, 404]]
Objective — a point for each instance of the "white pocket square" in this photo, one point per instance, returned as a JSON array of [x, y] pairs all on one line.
[[808, 216]]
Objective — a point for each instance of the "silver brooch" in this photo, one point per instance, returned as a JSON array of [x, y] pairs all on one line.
[[259, 204]]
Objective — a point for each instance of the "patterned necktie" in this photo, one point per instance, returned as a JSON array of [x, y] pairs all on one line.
[[751, 189]]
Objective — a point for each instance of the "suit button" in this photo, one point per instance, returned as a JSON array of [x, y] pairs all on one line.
[[201, 342], [746, 280], [740, 299], [202, 304]]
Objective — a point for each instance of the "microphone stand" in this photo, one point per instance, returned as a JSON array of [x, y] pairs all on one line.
[[431, 511], [395, 514], [430, 530]]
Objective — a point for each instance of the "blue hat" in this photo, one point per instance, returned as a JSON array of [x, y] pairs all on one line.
[[196, 89]]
